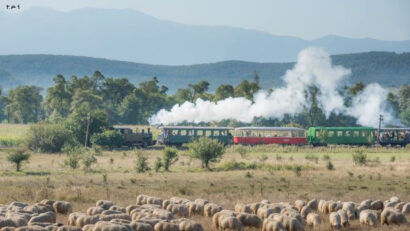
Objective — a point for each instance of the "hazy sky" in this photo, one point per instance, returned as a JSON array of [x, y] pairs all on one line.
[[309, 19]]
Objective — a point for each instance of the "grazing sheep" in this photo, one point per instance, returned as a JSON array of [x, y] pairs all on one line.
[[18, 219], [94, 210], [217, 216], [195, 209], [305, 211], [108, 226], [230, 223], [254, 207], [202, 202], [129, 208], [292, 224], [250, 220], [312, 204], [335, 221], [320, 205], [392, 216], [299, 204], [17, 204], [178, 209], [110, 212], [139, 226], [43, 208], [367, 218], [8, 228], [399, 206], [83, 220], [366, 203], [190, 225], [166, 226], [265, 212], [242, 208], [30, 228], [163, 214], [313, 219], [72, 218], [289, 212], [272, 225], [395, 199], [110, 217], [68, 228], [48, 217], [377, 205], [7, 223], [343, 217], [47, 202], [154, 201], [117, 208], [150, 221], [88, 227], [406, 208], [210, 209], [105, 204], [62, 207], [360, 209], [325, 207], [179, 200]]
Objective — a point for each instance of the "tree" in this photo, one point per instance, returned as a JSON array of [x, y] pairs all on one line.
[[17, 157], [224, 91], [169, 157], [24, 104], [48, 138], [3, 103], [248, 89], [206, 150], [404, 104], [314, 113], [184, 94], [356, 89], [78, 120], [108, 139], [58, 100]]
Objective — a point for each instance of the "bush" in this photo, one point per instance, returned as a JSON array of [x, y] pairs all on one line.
[[329, 165], [108, 139], [142, 165], [297, 170], [206, 150], [392, 159], [169, 157], [48, 138], [17, 157], [72, 160], [157, 164], [88, 159], [243, 152], [312, 158], [326, 157], [359, 158]]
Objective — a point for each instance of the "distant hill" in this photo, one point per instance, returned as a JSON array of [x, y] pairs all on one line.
[[386, 68], [125, 34]]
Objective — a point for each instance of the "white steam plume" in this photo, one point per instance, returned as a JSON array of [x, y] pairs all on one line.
[[313, 67]]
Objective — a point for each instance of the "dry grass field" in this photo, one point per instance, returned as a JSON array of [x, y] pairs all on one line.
[[281, 174]]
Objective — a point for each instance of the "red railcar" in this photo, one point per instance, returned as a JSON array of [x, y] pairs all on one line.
[[270, 135]]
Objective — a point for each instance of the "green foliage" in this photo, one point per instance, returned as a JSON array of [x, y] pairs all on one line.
[[312, 158], [72, 160], [206, 150], [392, 159], [24, 104], [157, 164], [329, 165], [142, 165], [359, 157], [243, 151], [262, 158], [169, 157], [17, 156], [297, 170], [49, 138], [326, 157], [108, 139], [323, 136], [87, 160]]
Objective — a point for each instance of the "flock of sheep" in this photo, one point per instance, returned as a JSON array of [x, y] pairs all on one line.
[[155, 214]]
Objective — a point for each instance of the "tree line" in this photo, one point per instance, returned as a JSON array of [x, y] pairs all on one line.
[[118, 101]]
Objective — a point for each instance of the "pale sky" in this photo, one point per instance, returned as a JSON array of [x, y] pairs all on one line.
[[308, 19]]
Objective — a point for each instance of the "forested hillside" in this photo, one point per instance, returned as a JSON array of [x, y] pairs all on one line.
[[386, 68]]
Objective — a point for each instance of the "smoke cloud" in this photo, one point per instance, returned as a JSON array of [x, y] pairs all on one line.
[[313, 68]]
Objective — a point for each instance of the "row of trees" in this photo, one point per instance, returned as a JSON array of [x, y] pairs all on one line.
[[118, 101]]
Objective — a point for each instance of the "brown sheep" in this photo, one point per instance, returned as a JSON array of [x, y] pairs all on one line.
[[292, 224], [367, 218], [166, 226], [313, 219], [178, 209], [202, 202], [242, 208], [72, 218], [94, 210], [312, 204], [210, 209], [163, 214], [139, 226], [105, 204], [272, 225], [110, 217], [250, 220], [305, 211], [108, 226], [83, 220], [343, 217], [190, 225], [7, 223], [195, 209], [392, 216], [377, 205], [265, 212], [62, 207], [230, 223], [299, 204], [48, 217], [30, 228], [335, 221], [68, 228]]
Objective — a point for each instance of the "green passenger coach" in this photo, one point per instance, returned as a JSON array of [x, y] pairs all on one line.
[[341, 135], [178, 135]]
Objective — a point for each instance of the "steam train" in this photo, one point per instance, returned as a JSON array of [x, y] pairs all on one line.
[[316, 136]]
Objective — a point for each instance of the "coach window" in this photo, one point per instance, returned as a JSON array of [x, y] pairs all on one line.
[[363, 134], [175, 132], [317, 133], [216, 133], [348, 133], [331, 133], [339, 133], [356, 133], [223, 133], [183, 132], [208, 133], [199, 132]]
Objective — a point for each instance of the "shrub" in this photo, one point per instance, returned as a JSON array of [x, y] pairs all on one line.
[[48, 138], [72, 160], [359, 158], [108, 139], [142, 165], [169, 157], [262, 158], [297, 170], [206, 150], [326, 157], [243, 152], [392, 159], [88, 159], [17, 157], [329, 165], [157, 164], [312, 158]]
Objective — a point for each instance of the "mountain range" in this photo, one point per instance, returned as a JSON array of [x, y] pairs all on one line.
[[387, 68], [124, 34]]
